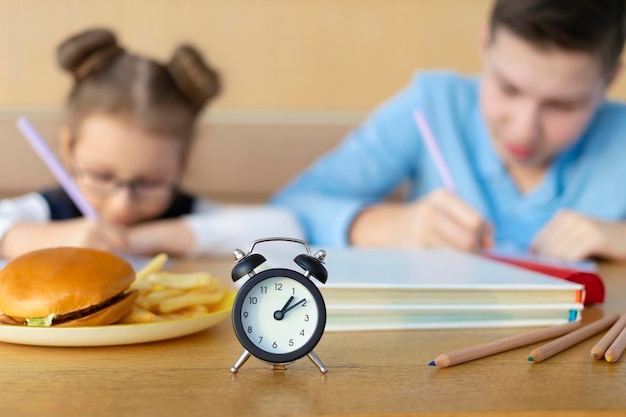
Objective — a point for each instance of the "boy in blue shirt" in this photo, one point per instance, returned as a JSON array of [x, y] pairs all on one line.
[[535, 149]]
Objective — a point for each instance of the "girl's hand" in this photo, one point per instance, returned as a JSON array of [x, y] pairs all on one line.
[[172, 236], [573, 236], [95, 234], [86, 233], [440, 219]]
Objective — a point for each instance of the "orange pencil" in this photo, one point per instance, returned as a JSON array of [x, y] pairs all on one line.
[[597, 352], [569, 340], [475, 352], [616, 349]]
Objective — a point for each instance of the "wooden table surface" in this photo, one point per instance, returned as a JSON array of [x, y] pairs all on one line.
[[370, 373]]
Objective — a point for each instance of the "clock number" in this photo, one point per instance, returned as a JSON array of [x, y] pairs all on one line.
[[253, 300], [245, 314], [302, 332], [263, 290], [278, 286], [304, 303], [249, 329], [290, 342], [260, 339], [274, 345], [306, 317]]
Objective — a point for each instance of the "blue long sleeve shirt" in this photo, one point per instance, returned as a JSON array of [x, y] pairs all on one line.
[[387, 150]]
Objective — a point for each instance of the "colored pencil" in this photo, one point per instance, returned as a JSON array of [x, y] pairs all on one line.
[[433, 149], [569, 340], [480, 351], [616, 349], [44, 152], [598, 351]]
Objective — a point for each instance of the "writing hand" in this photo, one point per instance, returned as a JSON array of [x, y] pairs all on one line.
[[439, 219], [173, 236]]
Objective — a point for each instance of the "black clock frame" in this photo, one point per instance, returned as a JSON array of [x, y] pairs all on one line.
[[278, 358]]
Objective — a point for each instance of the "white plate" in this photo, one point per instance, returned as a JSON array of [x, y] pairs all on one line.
[[115, 334]]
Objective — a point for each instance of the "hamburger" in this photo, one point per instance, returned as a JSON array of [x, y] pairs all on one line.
[[66, 286]]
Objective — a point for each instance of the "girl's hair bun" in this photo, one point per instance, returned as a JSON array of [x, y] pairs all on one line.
[[88, 51], [198, 82]]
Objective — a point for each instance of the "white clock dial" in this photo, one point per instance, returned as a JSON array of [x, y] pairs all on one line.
[[279, 315]]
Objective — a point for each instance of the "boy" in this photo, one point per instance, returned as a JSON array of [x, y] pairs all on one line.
[[535, 150]]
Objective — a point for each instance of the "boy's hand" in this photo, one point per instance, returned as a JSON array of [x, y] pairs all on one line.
[[574, 236], [440, 219]]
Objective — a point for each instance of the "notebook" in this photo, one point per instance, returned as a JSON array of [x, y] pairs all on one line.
[[375, 289]]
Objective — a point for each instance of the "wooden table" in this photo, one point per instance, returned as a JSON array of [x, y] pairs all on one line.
[[370, 373]]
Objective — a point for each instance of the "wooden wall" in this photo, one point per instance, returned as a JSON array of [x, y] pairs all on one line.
[[276, 54]]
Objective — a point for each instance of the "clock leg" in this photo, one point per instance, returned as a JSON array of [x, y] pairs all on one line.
[[242, 359], [318, 362]]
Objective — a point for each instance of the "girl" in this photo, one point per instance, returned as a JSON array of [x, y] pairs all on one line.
[[130, 124]]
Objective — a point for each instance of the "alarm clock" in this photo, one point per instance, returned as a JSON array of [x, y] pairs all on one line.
[[279, 314]]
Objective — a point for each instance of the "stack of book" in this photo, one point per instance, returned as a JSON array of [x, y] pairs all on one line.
[[376, 289]]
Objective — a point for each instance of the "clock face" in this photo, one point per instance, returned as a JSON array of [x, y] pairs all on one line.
[[279, 315]]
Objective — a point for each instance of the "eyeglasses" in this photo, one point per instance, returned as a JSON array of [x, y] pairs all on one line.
[[104, 184]]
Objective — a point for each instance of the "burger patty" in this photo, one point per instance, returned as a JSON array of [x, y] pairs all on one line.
[[87, 311]]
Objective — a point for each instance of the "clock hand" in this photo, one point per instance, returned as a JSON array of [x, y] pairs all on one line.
[[278, 314], [282, 310], [295, 305]]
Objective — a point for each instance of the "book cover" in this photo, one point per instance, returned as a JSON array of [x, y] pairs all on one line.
[[581, 273]]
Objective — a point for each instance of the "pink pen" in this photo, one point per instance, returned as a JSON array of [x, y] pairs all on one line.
[[47, 156], [440, 163], [433, 149]]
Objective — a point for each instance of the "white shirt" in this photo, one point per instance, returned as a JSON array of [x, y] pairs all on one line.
[[219, 229]]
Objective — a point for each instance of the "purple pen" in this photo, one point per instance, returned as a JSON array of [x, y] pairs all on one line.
[[433, 149], [44, 152]]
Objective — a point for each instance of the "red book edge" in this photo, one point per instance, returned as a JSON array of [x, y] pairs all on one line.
[[594, 287]]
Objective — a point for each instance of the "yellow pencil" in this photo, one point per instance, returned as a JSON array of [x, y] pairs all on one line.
[[597, 352], [616, 349], [475, 352], [564, 342]]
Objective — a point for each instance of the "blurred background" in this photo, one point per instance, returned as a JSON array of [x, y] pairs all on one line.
[[299, 74]]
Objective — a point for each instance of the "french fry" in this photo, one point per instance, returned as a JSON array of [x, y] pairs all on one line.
[[175, 316], [142, 286], [194, 311], [141, 302], [199, 310], [154, 265], [167, 295], [154, 298], [203, 290], [170, 305], [181, 280], [139, 315]]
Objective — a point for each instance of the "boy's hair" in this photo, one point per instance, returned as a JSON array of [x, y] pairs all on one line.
[[164, 99], [594, 26]]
